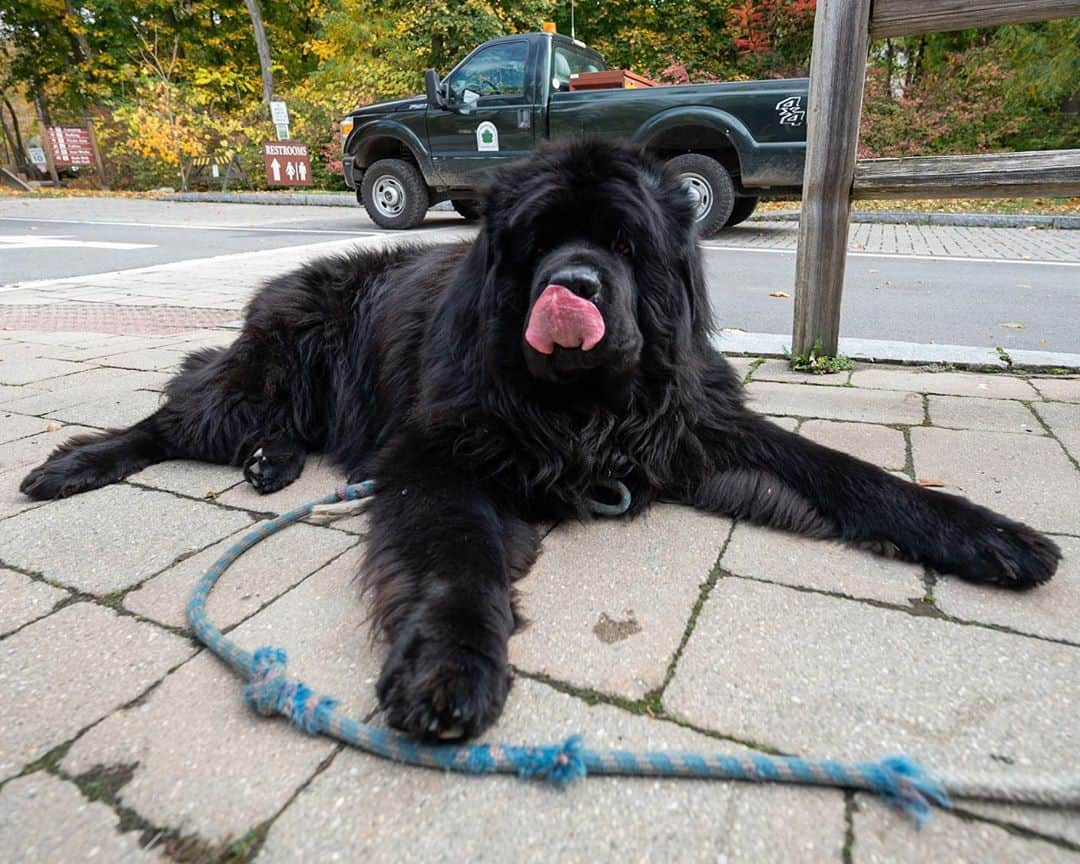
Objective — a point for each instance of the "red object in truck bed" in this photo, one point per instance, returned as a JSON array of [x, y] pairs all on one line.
[[611, 79]]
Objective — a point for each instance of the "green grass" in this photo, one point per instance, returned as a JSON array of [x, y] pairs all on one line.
[[818, 363]]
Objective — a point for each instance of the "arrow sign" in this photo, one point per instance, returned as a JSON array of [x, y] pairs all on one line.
[[287, 163]]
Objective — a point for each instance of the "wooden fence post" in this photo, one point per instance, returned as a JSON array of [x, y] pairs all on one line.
[[837, 72]]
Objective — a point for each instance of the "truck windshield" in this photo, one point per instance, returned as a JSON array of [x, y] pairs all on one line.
[[495, 71], [566, 62]]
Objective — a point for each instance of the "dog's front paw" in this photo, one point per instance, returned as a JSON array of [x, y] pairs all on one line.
[[435, 687], [1009, 554]]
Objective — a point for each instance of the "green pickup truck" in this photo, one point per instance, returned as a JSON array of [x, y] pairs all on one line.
[[730, 142]]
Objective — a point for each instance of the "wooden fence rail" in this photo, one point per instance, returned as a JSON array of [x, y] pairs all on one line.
[[832, 177], [991, 175]]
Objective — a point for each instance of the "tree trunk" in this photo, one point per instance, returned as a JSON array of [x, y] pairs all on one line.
[[9, 145], [82, 47], [20, 151], [915, 60], [888, 68], [263, 47], [46, 144]]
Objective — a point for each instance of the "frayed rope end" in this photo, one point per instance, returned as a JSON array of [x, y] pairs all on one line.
[[559, 764], [269, 691], [909, 788]]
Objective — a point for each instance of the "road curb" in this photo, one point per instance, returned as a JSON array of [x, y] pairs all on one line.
[[738, 342], [965, 220], [295, 199], [288, 199], [969, 220]]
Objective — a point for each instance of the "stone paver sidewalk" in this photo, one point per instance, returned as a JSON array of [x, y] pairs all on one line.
[[121, 740]]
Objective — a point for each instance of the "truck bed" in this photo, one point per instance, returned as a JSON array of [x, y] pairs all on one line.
[[768, 116]]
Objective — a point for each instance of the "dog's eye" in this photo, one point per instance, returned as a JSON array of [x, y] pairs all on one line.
[[622, 246]]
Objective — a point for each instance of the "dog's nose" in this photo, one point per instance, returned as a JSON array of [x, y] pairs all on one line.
[[581, 279]]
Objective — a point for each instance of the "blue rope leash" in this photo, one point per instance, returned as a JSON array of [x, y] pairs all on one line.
[[898, 780]]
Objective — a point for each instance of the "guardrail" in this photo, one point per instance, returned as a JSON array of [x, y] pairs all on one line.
[[832, 177]]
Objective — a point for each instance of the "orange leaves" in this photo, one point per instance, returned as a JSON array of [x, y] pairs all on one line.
[[758, 25]]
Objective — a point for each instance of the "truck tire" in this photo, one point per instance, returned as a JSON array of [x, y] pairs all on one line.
[[394, 194], [468, 208], [742, 211], [710, 186]]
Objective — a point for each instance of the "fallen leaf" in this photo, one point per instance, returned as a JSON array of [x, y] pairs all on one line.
[[931, 483], [779, 294], [1022, 285], [52, 427], [872, 270], [1012, 325]]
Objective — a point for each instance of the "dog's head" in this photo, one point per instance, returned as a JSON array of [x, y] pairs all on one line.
[[592, 254]]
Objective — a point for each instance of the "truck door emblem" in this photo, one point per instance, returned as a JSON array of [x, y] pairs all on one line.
[[791, 111], [487, 137]]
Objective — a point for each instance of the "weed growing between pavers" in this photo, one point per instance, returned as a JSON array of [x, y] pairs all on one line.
[[816, 362]]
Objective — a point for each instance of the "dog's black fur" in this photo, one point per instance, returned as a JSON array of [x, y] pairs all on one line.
[[409, 365]]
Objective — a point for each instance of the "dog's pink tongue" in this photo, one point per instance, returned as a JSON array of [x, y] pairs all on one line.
[[560, 317]]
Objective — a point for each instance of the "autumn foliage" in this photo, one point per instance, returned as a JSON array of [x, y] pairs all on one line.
[[166, 81], [771, 33]]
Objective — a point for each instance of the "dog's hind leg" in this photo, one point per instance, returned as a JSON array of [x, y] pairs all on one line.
[[218, 409], [768, 475], [89, 461], [237, 408], [274, 463]]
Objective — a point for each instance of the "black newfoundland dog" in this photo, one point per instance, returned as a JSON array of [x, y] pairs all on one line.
[[492, 384]]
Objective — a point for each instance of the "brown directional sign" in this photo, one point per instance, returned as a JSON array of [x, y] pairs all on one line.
[[71, 146], [287, 163]]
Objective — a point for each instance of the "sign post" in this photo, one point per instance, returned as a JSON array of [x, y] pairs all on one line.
[[96, 151], [45, 142], [279, 113], [287, 163]]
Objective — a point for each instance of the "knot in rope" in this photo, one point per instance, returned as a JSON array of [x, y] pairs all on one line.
[[558, 764], [269, 691], [906, 786]]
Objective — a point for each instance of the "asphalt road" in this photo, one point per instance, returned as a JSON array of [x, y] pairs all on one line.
[[957, 299], [54, 238], [946, 300]]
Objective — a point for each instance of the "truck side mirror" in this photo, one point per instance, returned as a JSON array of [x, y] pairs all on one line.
[[431, 87]]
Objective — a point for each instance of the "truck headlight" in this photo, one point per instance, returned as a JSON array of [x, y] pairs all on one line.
[[346, 128]]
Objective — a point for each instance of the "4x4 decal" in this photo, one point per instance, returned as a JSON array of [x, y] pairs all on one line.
[[791, 111]]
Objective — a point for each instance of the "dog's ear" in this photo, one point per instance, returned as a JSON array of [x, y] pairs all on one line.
[[697, 294], [683, 236]]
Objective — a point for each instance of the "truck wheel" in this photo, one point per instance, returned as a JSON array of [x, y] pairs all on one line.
[[742, 211], [394, 194], [468, 208], [710, 188]]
